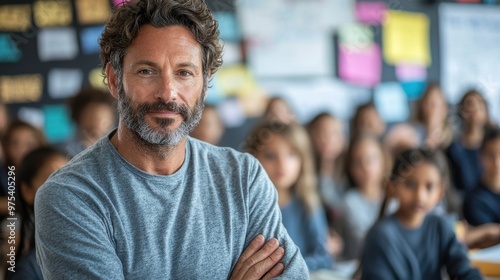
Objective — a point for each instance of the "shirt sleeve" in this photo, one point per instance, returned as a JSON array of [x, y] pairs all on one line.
[[265, 218], [317, 256], [72, 238], [456, 259]]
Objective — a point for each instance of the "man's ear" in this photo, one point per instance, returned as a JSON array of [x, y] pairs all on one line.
[[112, 81]]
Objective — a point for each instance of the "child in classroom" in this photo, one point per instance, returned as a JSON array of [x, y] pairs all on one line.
[[366, 166], [367, 120], [284, 150], [35, 168], [482, 204], [413, 243]]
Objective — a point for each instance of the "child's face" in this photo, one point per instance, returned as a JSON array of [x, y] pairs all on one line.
[[435, 108], [95, 121], [370, 122], [21, 142], [54, 163], [328, 138], [281, 162], [419, 192], [210, 128], [367, 164], [490, 158], [474, 110]]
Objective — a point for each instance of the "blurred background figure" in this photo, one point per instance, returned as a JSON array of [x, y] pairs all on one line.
[[284, 150], [367, 166], [463, 153], [211, 128], [93, 111], [35, 168], [367, 120], [278, 109], [432, 116], [401, 137]]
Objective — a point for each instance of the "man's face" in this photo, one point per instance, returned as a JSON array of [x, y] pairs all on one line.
[[161, 95]]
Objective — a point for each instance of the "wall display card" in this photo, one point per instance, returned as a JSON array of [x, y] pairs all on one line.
[[232, 54], [92, 11], [31, 115], [411, 72], [8, 50], [236, 80], [391, 102], [228, 26], [64, 83], [52, 13], [406, 38], [372, 13], [15, 17], [414, 89], [361, 67], [89, 38], [96, 78], [356, 36], [57, 44], [21, 88], [58, 126]]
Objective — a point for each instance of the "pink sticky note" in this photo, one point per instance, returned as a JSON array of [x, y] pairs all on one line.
[[370, 12], [411, 72], [360, 66]]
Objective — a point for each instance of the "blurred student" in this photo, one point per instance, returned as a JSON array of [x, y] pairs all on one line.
[[284, 150], [413, 244], [35, 168], [211, 128], [280, 111], [367, 164], [94, 113], [482, 204], [463, 153], [367, 120], [432, 115], [329, 141], [401, 137]]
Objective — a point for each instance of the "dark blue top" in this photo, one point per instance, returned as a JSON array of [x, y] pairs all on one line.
[[482, 206], [465, 166], [28, 268], [309, 232], [393, 251]]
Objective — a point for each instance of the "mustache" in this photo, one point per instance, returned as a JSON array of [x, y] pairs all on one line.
[[171, 106]]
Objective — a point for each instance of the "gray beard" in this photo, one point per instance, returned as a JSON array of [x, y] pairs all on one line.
[[161, 138]]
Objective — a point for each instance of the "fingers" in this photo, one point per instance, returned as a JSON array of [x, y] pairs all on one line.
[[259, 269], [254, 246], [276, 271]]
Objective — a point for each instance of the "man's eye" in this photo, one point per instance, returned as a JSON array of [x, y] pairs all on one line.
[[184, 73], [145, 72]]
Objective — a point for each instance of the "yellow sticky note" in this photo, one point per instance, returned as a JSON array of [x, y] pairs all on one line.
[[15, 17], [92, 11], [52, 13], [406, 38], [21, 88], [96, 79], [236, 80]]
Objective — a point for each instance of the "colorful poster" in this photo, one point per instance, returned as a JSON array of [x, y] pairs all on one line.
[[411, 72], [57, 44], [52, 13], [58, 126], [236, 80], [21, 88], [361, 67], [356, 36], [15, 17], [8, 50], [64, 83], [228, 26], [89, 38], [31, 115], [391, 102], [92, 11], [96, 79], [372, 13], [406, 38]]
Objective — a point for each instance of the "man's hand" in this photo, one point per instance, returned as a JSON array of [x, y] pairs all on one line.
[[259, 260]]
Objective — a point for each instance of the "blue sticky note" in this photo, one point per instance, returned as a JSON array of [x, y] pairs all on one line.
[[228, 26], [214, 92], [8, 50], [391, 102], [58, 125], [89, 38], [414, 89]]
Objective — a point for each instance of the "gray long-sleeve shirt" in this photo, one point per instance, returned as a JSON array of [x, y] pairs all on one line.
[[101, 217]]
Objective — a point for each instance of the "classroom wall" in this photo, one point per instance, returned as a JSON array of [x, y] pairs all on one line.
[[328, 55]]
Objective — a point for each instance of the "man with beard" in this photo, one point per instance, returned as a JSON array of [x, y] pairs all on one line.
[[147, 201]]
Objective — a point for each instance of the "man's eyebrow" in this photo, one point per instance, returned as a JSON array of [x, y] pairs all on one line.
[[188, 65], [145, 62]]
